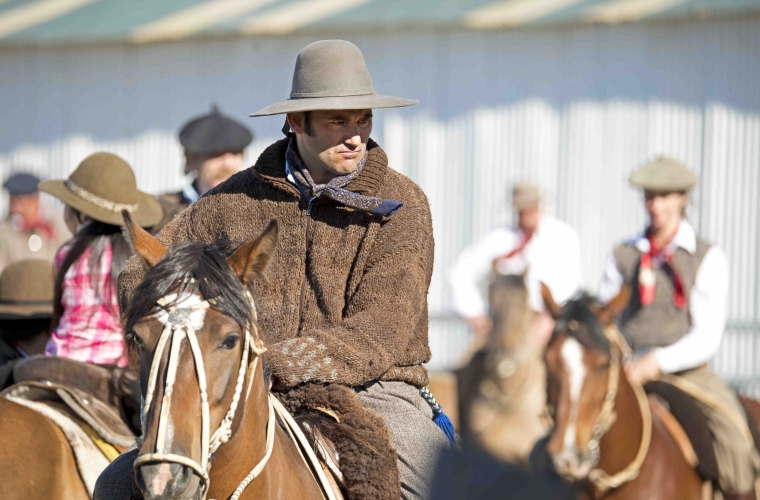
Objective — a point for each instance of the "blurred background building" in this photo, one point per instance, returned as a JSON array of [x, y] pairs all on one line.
[[573, 94]]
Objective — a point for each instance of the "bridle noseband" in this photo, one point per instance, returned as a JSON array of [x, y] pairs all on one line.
[[178, 327], [602, 481]]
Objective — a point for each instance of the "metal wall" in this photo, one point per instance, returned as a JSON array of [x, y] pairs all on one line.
[[576, 109]]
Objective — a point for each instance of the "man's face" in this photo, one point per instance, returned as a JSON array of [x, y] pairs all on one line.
[[26, 206], [664, 209], [213, 170], [528, 219], [331, 143]]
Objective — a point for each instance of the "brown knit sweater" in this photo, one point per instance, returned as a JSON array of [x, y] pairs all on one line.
[[345, 299]]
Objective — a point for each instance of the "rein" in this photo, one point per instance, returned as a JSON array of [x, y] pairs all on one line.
[[601, 480], [178, 327]]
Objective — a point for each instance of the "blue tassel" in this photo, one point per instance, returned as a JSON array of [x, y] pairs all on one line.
[[439, 418]]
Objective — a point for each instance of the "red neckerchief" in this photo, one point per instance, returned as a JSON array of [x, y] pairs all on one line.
[[647, 277], [524, 240], [40, 227]]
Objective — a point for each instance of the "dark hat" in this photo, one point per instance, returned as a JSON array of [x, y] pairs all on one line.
[[332, 74], [21, 183], [27, 289], [214, 133], [664, 175], [101, 187]]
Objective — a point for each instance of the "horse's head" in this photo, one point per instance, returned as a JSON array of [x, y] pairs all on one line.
[[584, 367], [509, 310], [192, 323]]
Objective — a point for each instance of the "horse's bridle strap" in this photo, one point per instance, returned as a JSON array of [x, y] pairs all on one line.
[[178, 326]]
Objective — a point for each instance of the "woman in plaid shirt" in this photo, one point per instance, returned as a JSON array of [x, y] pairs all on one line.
[[86, 323]]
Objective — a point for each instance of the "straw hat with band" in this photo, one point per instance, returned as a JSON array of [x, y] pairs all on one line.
[[101, 187], [26, 290], [664, 175], [332, 74]]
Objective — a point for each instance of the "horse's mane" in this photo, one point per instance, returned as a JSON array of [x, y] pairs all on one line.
[[589, 332], [189, 268]]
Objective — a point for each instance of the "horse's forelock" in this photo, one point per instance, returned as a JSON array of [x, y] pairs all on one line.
[[589, 331], [186, 269]]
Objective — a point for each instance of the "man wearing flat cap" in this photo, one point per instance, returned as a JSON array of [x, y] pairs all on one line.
[[677, 313], [27, 233], [545, 249], [345, 300], [214, 146]]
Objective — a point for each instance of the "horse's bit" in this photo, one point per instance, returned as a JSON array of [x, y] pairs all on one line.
[[177, 327], [607, 417]]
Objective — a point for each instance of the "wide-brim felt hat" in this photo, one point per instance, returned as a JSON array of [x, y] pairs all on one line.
[[664, 174], [101, 187], [332, 75], [27, 290]]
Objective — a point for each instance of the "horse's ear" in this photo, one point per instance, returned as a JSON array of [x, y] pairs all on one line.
[[142, 243], [250, 259], [617, 305], [551, 307]]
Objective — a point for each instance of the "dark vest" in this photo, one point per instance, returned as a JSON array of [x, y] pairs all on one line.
[[660, 323]]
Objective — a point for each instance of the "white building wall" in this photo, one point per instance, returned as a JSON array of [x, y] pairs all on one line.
[[576, 109]]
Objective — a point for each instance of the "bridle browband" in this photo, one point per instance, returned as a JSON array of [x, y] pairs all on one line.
[[608, 416], [178, 327]]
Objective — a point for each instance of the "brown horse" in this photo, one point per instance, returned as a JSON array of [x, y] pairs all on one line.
[[193, 324], [502, 388], [605, 438], [36, 460]]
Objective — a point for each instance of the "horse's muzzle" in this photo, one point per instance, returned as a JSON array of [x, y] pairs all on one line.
[[167, 481], [572, 464]]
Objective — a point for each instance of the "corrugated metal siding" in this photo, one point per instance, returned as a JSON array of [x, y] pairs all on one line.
[[576, 109]]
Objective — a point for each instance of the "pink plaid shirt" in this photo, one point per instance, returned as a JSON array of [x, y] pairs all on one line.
[[89, 329]]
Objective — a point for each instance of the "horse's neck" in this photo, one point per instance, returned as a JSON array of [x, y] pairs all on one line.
[[620, 443]]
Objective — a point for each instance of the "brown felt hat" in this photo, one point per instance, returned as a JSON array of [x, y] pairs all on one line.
[[26, 290], [664, 175], [332, 74], [525, 195], [101, 187]]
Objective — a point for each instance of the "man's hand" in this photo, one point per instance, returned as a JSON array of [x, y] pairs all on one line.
[[481, 326], [644, 369]]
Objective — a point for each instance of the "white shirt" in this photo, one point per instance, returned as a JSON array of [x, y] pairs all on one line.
[[707, 302], [552, 256], [190, 193]]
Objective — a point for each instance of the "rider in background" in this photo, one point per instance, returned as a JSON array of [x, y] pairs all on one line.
[[214, 147], [677, 313], [547, 248], [26, 306], [85, 323]]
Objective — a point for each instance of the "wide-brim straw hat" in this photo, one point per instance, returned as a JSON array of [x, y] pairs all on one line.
[[525, 195], [101, 187], [27, 290], [331, 75], [664, 175]]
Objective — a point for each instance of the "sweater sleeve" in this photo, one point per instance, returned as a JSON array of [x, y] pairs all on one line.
[[387, 311], [172, 234]]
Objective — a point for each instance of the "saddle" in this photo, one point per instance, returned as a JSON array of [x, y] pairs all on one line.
[[687, 424], [84, 391]]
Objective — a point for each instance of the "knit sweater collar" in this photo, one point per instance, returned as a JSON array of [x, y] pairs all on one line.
[[271, 168]]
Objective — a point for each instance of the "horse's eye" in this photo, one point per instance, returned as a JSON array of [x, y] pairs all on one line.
[[132, 337], [230, 342]]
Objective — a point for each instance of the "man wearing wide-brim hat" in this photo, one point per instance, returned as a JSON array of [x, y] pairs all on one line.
[[26, 307], [345, 300], [677, 313]]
